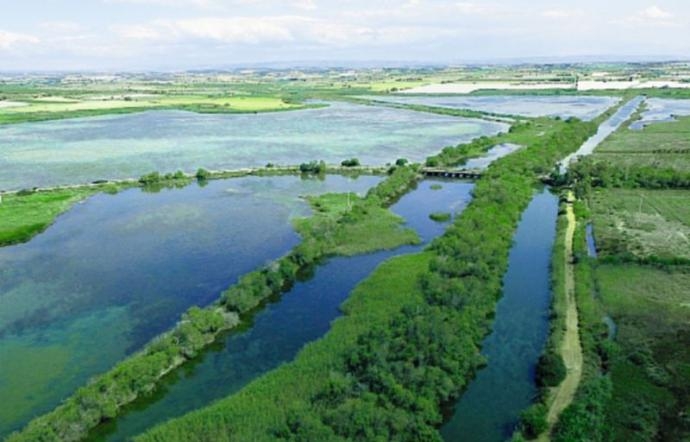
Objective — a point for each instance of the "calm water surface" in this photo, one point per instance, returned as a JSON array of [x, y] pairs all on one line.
[[607, 128], [119, 269], [489, 410], [281, 329], [582, 107], [125, 146], [662, 110]]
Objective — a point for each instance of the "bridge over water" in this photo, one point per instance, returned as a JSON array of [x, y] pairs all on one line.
[[463, 174]]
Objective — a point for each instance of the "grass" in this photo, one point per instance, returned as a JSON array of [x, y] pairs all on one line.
[[660, 144], [642, 222], [651, 369], [23, 217], [377, 229]]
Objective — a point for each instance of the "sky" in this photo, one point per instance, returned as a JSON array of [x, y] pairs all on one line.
[[108, 35]]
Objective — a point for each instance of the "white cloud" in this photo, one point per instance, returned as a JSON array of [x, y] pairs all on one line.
[[655, 13], [10, 39], [562, 13], [202, 3], [651, 16], [305, 5], [61, 26], [276, 30]]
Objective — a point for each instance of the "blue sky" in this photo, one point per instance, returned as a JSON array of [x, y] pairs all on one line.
[[182, 34]]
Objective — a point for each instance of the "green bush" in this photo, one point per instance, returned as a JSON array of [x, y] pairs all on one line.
[[533, 421], [551, 369]]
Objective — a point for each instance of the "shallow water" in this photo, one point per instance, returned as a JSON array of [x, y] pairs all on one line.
[[281, 329], [662, 110], [117, 270], [607, 128], [126, 146], [493, 154], [591, 243], [582, 107], [489, 409]]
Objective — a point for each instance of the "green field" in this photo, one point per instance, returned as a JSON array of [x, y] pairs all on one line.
[[662, 145], [642, 222], [22, 217], [650, 370]]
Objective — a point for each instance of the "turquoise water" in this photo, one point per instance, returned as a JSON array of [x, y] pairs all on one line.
[[281, 329], [125, 146], [117, 270], [489, 409], [582, 107]]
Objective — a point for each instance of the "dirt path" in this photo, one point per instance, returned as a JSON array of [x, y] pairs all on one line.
[[571, 349]]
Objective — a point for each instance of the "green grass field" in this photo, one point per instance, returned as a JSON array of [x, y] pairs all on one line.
[[664, 145], [642, 222], [22, 217]]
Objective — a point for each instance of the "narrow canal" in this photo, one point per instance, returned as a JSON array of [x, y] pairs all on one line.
[[280, 330], [489, 410]]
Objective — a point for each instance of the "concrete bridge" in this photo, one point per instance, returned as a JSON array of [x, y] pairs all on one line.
[[458, 174]]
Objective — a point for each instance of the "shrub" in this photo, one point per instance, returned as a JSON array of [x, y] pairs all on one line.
[[352, 162], [550, 370], [533, 421]]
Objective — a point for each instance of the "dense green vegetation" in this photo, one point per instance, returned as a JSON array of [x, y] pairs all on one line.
[[635, 382], [342, 224], [387, 381]]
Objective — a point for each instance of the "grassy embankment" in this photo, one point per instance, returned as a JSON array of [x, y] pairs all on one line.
[[385, 368], [22, 216], [636, 383], [341, 224]]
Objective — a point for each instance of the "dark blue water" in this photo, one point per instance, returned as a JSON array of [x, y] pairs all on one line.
[[281, 329], [117, 270], [489, 410]]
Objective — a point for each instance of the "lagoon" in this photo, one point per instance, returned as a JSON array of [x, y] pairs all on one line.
[[117, 270], [81, 150], [582, 107]]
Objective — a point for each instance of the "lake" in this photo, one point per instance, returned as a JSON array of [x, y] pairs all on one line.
[[280, 330], [583, 107], [117, 270], [81, 150]]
